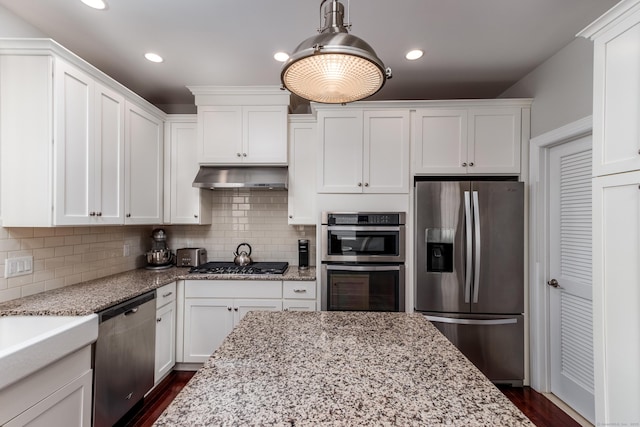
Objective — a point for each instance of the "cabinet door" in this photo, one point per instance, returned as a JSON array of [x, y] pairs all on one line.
[[189, 205], [207, 321], [264, 134], [616, 104], [69, 406], [440, 141], [74, 150], [386, 152], [494, 140], [220, 134], [340, 167], [616, 274], [243, 306], [109, 156], [165, 340], [302, 173], [143, 167]]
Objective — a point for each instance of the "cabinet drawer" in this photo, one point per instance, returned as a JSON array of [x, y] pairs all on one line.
[[299, 289], [233, 289], [165, 294], [299, 305]]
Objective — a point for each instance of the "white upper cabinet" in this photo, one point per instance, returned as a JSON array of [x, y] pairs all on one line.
[[144, 167], [616, 104], [242, 125], [67, 132], [186, 204], [480, 140], [363, 151], [302, 169]]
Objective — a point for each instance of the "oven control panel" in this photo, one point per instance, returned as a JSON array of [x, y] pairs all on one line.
[[356, 218]]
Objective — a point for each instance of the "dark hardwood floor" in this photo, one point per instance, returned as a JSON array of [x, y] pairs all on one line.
[[540, 410]]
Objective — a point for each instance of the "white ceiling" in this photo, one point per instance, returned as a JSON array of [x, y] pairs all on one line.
[[473, 48]]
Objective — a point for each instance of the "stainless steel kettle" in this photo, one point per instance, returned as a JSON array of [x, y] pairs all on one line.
[[242, 258]]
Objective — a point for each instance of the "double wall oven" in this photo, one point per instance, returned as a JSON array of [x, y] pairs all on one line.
[[363, 256]]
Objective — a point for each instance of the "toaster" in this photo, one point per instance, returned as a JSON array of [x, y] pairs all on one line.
[[191, 257]]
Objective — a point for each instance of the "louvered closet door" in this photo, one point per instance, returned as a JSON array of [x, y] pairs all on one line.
[[571, 314]]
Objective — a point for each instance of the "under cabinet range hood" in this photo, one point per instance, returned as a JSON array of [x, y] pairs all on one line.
[[258, 177]]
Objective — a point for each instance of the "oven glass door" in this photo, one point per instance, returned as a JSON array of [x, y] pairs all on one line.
[[365, 244], [363, 287]]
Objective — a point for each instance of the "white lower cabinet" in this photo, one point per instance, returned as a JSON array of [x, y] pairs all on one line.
[[58, 395], [212, 308], [165, 331], [299, 295]]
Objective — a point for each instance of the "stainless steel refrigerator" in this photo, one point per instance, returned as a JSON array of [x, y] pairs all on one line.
[[470, 270]]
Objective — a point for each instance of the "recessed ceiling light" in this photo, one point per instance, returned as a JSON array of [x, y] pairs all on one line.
[[153, 57], [281, 56], [96, 4], [412, 55]]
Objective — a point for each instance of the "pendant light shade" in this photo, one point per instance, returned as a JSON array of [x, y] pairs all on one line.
[[334, 67]]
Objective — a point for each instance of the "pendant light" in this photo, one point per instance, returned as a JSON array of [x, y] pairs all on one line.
[[334, 67]]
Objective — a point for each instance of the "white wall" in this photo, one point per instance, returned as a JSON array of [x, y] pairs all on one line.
[[13, 26], [562, 88]]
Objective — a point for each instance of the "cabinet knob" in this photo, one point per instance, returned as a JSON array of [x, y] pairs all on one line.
[[366, 184], [99, 214], [464, 164], [235, 309], [471, 164], [92, 214], [238, 154], [359, 184], [228, 308], [290, 216], [286, 309], [195, 215], [159, 319], [244, 154]]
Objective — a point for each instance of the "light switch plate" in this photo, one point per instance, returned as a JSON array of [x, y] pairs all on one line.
[[18, 266]]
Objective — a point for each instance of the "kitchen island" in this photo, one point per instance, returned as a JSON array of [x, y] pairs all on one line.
[[339, 368]]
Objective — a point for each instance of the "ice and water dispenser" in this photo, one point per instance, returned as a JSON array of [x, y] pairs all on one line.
[[439, 249]]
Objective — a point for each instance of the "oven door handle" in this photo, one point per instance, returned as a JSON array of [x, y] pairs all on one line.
[[362, 228], [363, 267]]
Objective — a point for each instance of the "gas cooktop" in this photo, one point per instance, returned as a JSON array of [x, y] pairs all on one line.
[[231, 268]]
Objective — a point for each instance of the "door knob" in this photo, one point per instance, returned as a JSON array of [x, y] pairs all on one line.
[[554, 283]]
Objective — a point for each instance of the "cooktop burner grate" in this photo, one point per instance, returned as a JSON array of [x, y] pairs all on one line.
[[230, 268]]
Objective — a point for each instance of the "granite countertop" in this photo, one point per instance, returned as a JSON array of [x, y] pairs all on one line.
[[339, 368], [96, 295]]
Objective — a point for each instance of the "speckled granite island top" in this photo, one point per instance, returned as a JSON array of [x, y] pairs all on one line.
[[96, 295], [339, 368]]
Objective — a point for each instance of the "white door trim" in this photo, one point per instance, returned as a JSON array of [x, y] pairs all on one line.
[[540, 371]]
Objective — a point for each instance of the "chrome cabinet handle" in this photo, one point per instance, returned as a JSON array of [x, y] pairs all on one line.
[[299, 291], [167, 294]]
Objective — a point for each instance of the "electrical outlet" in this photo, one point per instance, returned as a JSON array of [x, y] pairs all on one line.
[[18, 266], [126, 250]]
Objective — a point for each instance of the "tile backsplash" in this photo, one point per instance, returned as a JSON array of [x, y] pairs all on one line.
[[64, 256], [257, 217]]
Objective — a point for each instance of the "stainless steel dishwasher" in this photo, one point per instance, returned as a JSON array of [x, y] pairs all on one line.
[[124, 358]]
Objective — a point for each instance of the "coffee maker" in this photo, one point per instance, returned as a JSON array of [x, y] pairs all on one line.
[[160, 256]]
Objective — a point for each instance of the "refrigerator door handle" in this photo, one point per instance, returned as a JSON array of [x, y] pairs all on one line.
[[471, 321], [476, 228], [467, 273]]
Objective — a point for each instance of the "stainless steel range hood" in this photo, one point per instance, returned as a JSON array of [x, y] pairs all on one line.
[[258, 177]]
